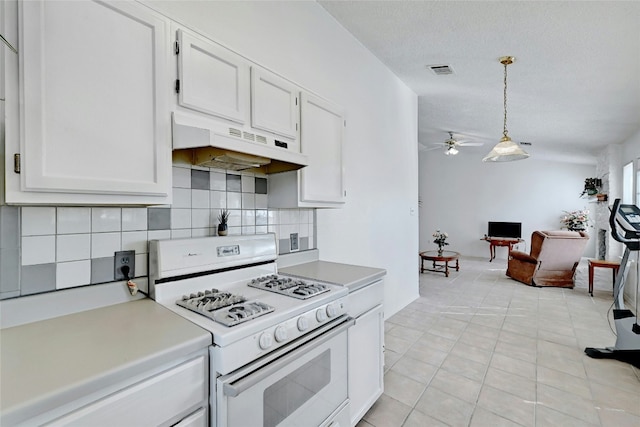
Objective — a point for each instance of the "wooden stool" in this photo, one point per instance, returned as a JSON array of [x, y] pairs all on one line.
[[593, 263]]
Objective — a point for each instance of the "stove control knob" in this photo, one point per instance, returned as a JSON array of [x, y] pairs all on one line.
[[321, 315], [266, 340], [281, 334], [332, 310], [303, 324]]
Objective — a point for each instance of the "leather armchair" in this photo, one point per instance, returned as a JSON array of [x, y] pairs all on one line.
[[552, 260]]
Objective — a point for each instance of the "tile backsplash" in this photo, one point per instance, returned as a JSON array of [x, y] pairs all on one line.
[[45, 249]]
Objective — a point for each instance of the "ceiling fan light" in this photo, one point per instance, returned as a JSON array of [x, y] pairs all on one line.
[[506, 151], [451, 151]]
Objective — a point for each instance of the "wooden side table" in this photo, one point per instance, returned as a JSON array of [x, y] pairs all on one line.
[[500, 241], [445, 258], [593, 263]]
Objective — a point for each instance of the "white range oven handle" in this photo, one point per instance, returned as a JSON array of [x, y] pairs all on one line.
[[323, 335]]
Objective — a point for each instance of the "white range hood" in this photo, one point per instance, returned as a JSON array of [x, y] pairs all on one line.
[[216, 145]]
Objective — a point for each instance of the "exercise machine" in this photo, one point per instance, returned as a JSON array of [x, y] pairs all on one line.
[[625, 228]]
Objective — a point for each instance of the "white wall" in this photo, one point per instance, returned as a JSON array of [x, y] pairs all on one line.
[[460, 194], [302, 42], [631, 149], [609, 169]]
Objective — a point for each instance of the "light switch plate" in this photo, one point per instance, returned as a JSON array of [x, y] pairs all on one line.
[[295, 244]]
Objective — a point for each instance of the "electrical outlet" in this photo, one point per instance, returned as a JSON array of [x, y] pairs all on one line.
[[124, 265], [293, 238]]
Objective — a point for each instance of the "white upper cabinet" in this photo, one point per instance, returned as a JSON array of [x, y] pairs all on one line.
[[94, 118], [212, 79], [321, 184], [322, 134], [274, 103], [220, 90]]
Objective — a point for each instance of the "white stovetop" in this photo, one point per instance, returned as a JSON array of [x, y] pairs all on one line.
[[351, 276], [236, 282]]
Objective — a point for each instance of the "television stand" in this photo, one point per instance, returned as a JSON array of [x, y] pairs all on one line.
[[500, 241]]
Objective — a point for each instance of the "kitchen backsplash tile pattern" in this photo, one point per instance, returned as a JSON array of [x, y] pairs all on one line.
[[9, 251], [50, 248]]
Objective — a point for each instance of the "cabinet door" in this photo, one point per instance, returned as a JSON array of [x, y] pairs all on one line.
[[321, 139], [94, 116], [213, 80], [274, 103], [365, 362], [155, 401]]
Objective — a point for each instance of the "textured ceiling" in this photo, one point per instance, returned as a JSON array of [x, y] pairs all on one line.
[[574, 88]]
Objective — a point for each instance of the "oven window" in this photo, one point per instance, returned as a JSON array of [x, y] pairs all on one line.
[[284, 397]]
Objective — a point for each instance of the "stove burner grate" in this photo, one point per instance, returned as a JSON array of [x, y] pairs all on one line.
[[224, 307], [295, 288], [241, 313]]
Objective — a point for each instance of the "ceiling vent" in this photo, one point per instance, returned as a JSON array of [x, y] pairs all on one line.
[[440, 70]]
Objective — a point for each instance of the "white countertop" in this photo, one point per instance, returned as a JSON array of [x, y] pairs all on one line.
[[47, 363], [352, 276]]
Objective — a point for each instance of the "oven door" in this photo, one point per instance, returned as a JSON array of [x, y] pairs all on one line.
[[301, 386]]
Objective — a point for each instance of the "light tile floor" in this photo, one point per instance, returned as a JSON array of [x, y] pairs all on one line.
[[480, 349]]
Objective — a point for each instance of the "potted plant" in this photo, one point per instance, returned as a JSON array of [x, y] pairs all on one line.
[[591, 186], [223, 218]]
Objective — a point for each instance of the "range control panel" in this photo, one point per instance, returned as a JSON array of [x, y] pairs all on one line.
[[250, 348]]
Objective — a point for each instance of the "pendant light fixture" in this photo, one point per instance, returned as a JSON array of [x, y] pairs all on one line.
[[506, 150]]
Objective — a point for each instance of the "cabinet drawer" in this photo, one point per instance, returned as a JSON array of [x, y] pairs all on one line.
[[153, 401], [197, 419], [366, 298]]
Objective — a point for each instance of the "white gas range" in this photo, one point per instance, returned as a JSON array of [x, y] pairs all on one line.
[[279, 343]]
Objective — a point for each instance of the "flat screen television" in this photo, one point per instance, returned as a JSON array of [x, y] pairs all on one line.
[[505, 229]]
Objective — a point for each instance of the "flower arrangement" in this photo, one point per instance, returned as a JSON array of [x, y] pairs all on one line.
[[440, 239], [576, 220]]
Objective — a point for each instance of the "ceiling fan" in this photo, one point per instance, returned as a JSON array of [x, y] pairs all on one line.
[[451, 145]]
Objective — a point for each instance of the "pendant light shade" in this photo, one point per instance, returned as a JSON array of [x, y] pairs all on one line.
[[506, 150]]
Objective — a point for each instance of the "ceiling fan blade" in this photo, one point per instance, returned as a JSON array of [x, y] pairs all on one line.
[[471, 144], [432, 148], [422, 147]]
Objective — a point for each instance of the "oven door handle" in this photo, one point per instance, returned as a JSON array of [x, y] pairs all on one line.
[[237, 387]]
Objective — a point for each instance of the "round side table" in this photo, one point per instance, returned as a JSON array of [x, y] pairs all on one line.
[[446, 257]]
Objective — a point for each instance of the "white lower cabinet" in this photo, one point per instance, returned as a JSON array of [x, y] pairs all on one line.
[[366, 340], [175, 396], [197, 419]]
